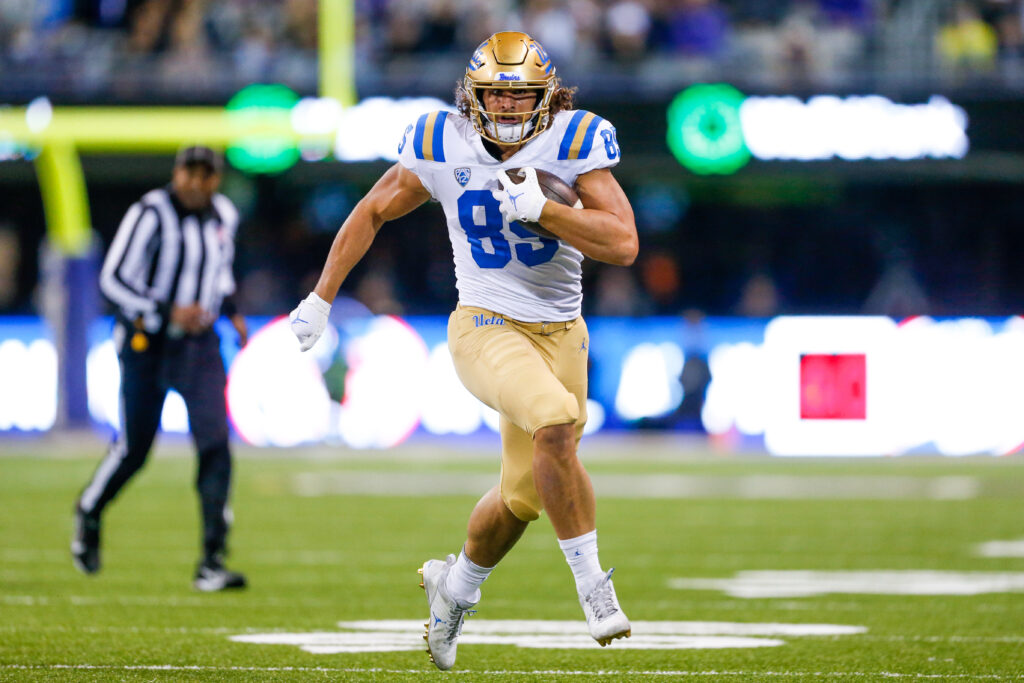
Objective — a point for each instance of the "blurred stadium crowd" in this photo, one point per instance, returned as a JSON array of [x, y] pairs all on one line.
[[938, 249], [123, 50], [784, 246]]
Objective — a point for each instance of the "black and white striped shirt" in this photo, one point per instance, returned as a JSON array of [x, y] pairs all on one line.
[[164, 254]]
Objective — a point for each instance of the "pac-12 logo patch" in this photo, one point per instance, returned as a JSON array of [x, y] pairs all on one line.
[[462, 175]]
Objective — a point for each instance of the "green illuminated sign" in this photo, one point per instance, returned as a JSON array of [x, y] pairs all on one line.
[[704, 131], [262, 106]]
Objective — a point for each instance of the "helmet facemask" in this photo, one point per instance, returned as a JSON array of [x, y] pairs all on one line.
[[510, 61], [528, 124]]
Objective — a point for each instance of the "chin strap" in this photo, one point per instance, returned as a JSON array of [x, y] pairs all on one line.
[[511, 130]]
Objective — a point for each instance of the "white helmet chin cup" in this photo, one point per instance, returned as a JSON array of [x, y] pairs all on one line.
[[509, 132]]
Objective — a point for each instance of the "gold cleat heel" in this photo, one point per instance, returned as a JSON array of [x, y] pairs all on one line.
[[609, 639]]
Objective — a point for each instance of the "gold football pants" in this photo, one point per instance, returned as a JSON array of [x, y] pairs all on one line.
[[533, 374]]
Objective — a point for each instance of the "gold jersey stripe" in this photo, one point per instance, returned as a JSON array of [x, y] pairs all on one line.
[[428, 136], [581, 133]]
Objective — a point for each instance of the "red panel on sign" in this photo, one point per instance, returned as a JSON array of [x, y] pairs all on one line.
[[833, 386]]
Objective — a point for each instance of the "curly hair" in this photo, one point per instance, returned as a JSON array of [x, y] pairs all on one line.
[[562, 99]]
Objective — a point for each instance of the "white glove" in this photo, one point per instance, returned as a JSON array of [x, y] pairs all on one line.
[[309, 320], [522, 202]]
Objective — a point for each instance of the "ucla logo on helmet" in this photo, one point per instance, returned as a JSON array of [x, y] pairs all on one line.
[[542, 55], [477, 60], [508, 76], [462, 175]]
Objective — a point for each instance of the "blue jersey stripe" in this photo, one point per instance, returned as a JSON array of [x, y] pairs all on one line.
[[438, 142], [417, 141], [588, 137], [570, 133]]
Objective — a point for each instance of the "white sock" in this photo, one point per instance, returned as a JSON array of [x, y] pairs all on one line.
[[464, 579], [581, 554]]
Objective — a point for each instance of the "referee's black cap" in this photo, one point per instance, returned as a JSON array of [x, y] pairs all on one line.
[[199, 154]]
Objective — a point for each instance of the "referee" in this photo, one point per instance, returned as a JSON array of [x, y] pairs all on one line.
[[169, 274]]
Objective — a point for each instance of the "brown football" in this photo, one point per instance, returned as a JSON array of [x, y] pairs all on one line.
[[554, 188]]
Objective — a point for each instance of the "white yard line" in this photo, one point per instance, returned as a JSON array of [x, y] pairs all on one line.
[[13, 628], [663, 485], [182, 630], [311, 557], [542, 672], [152, 601], [813, 583], [1001, 548], [221, 630]]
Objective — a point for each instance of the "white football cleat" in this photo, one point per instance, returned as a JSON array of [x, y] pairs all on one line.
[[446, 616], [605, 618]]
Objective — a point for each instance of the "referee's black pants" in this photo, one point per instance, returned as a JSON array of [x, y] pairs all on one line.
[[192, 366]]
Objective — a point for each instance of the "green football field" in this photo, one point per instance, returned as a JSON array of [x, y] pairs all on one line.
[[731, 567]]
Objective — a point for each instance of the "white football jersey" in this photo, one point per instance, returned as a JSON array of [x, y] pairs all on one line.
[[502, 266]]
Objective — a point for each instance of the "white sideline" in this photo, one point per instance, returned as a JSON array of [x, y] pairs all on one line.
[[541, 672], [151, 601], [661, 485], [223, 630]]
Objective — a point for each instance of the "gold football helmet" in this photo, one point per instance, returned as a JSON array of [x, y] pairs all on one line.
[[512, 61]]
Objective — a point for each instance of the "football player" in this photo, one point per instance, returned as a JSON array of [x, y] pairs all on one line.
[[517, 339]]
